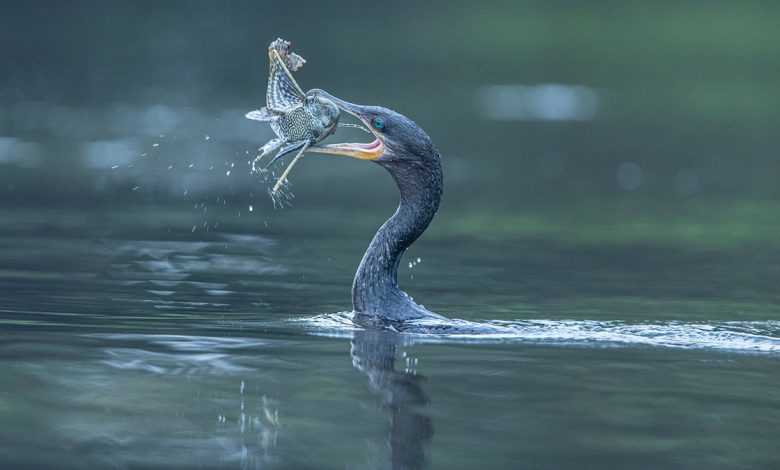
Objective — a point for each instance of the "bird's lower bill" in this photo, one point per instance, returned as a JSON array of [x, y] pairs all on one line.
[[369, 151]]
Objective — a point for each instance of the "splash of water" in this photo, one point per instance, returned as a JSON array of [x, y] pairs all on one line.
[[756, 337]]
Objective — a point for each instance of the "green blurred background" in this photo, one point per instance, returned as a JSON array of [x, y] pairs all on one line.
[[620, 121]]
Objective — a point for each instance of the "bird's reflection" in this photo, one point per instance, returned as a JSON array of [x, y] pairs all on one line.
[[373, 353]]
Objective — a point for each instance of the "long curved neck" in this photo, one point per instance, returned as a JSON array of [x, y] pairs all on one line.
[[375, 289]]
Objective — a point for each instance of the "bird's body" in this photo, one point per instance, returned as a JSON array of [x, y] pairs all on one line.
[[408, 154], [375, 291]]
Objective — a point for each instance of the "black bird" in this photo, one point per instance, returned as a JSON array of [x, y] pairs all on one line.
[[408, 154]]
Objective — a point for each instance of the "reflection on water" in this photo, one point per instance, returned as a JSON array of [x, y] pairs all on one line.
[[125, 400], [288, 400], [181, 354], [374, 354], [135, 398]]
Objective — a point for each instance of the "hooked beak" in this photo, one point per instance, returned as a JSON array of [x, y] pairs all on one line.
[[369, 151]]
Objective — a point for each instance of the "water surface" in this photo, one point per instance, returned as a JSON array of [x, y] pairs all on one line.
[[147, 345]]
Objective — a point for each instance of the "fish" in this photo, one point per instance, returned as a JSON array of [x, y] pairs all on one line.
[[298, 119]]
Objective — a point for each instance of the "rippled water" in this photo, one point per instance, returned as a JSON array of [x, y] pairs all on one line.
[[736, 337], [145, 344]]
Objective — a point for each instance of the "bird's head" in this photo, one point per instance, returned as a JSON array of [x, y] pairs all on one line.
[[397, 139]]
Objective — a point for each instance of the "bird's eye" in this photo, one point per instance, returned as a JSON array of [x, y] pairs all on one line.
[[378, 124]]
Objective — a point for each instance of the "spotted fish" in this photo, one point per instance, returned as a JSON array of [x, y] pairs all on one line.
[[299, 120]]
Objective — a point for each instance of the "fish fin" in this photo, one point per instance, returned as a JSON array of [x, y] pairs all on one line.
[[269, 147], [262, 114], [283, 91], [292, 60], [288, 149]]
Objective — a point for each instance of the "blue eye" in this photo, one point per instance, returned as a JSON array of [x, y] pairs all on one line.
[[379, 124]]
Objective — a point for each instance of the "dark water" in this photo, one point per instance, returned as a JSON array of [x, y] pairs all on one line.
[[148, 345]]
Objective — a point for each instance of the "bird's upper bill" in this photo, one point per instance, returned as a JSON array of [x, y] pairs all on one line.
[[364, 151]]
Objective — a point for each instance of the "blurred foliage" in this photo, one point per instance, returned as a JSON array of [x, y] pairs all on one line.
[[685, 87]]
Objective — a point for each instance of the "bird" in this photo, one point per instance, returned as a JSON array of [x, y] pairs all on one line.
[[401, 147]]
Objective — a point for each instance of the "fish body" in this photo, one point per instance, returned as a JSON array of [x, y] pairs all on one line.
[[312, 120], [299, 120]]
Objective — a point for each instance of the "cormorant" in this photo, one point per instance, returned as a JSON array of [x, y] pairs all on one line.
[[408, 154]]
